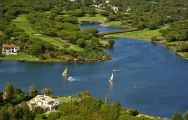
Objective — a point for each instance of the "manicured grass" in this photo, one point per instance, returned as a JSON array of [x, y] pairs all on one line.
[[97, 18], [22, 23], [113, 23], [104, 43], [141, 35], [68, 99], [20, 56], [29, 58]]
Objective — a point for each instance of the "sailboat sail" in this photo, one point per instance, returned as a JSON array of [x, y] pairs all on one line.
[[111, 78], [65, 72]]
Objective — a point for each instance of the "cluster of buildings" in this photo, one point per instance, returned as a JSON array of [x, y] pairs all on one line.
[[46, 102]]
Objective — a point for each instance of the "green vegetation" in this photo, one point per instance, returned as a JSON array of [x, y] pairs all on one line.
[[97, 18], [13, 105], [175, 37], [46, 31], [22, 23], [140, 35], [113, 23]]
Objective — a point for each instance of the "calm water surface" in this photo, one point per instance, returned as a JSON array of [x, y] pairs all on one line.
[[101, 28], [149, 77]]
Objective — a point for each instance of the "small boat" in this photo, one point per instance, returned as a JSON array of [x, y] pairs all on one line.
[[111, 78], [65, 72]]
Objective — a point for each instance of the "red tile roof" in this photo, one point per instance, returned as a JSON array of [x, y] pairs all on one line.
[[9, 46]]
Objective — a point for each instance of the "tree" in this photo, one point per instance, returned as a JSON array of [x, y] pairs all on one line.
[[53, 116], [185, 117], [8, 91], [133, 112], [1, 98], [22, 112], [84, 93], [37, 48], [152, 25], [47, 91], [111, 42], [33, 90], [177, 116], [38, 110]]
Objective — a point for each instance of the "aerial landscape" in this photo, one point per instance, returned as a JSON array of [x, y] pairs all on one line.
[[93, 59]]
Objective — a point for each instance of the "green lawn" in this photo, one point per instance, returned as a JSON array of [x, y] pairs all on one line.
[[20, 56], [29, 58], [113, 23], [97, 18], [141, 35], [22, 23]]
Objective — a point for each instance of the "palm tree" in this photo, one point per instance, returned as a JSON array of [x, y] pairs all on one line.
[[8, 91], [33, 90], [47, 91]]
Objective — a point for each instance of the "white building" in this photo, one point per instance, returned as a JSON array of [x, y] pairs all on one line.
[[107, 1], [115, 9], [9, 49], [46, 102]]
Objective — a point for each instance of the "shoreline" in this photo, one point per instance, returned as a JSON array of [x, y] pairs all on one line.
[[38, 60], [144, 35]]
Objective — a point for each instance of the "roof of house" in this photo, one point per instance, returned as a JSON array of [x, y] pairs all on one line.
[[9, 46]]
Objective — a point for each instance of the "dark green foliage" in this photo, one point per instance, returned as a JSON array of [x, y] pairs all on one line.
[[8, 91], [177, 31], [152, 26], [111, 42], [177, 116], [77, 13], [152, 13], [53, 116], [105, 13], [182, 48], [133, 112], [47, 91], [33, 90], [185, 117]]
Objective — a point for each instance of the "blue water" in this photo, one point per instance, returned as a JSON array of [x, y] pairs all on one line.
[[101, 28], [149, 77]]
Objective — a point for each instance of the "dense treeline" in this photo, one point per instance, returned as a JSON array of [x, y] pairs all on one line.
[[13, 106], [55, 19], [152, 13]]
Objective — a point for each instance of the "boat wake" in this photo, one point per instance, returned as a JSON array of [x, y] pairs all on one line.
[[116, 70], [72, 79]]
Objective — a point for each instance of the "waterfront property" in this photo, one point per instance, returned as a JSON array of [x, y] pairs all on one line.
[[9, 49], [46, 102]]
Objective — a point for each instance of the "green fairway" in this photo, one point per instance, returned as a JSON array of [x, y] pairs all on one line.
[[141, 35], [97, 18], [22, 23], [113, 23]]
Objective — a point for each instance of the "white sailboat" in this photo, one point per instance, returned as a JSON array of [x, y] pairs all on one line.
[[111, 78], [65, 72]]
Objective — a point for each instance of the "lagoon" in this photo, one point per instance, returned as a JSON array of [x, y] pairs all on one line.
[[148, 77]]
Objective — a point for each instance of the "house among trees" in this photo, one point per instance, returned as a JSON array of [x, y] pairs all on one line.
[[9, 49], [46, 102], [115, 9]]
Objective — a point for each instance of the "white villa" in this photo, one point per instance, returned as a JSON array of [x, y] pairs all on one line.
[[107, 1], [9, 49], [115, 9], [46, 102]]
